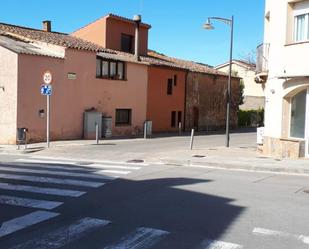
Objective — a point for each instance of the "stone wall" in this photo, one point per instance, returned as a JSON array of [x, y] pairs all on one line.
[[283, 148], [206, 102]]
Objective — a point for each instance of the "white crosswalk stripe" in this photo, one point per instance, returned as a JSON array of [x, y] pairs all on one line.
[[26, 202], [52, 180], [42, 163], [42, 190], [97, 175], [216, 244], [279, 234], [142, 237], [64, 235], [22, 222]]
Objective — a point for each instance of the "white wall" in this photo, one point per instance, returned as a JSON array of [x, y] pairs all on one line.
[[8, 97]]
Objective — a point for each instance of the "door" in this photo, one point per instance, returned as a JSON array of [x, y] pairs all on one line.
[[196, 114]]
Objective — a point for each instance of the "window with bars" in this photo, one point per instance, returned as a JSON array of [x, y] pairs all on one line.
[[109, 69], [123, 117]]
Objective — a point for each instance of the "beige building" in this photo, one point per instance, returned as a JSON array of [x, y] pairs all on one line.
[[282, 65], [253, 93]]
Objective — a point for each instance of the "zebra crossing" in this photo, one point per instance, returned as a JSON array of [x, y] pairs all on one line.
[[49, 178]]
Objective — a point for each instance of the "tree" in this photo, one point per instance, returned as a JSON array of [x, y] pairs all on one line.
[[241, 92]]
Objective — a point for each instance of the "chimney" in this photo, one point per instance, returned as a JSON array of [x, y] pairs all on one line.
[[137, 19], [47, 26]]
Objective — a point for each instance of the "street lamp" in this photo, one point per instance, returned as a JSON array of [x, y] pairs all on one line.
[[208, 25]]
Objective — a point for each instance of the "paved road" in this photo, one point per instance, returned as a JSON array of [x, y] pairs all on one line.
[[50, 204]]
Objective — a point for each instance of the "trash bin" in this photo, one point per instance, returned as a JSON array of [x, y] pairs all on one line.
[[21, 134]]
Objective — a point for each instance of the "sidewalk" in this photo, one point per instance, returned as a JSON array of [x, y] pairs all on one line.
[[242, 155]]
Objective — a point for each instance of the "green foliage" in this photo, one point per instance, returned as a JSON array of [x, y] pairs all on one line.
[[251, 118], [241, 92]]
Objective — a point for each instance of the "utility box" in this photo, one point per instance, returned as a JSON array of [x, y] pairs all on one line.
[[90, 121], [260, 135], [149, 127], [107, 125]]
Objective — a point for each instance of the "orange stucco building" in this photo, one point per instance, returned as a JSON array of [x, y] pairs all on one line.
[[104, 67]]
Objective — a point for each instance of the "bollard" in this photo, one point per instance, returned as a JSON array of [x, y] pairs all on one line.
[[97, 133], [179, 128], [145, 130], [192, 139]]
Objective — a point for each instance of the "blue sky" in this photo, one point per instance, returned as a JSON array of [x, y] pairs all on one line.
[[176, 24]]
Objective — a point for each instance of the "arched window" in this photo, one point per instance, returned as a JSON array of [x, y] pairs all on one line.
[[298, 115]]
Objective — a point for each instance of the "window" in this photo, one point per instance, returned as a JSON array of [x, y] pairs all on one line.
[[123, 116], [175, 80], [169, 86], [301, 20], [173, 119], [298, 115], [301, 28], [109, 69], [127, 43], [179, 117]]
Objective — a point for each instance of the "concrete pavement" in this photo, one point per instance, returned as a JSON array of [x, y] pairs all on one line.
[[208, 151], [151, 206]]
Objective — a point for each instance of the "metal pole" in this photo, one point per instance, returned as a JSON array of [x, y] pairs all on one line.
[[97, 132], [145, 130], [192, 139], [229, 88], [179, 128], [48, 120]]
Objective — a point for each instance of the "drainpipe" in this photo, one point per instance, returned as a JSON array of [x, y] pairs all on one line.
[[137, 19], [185, 105]]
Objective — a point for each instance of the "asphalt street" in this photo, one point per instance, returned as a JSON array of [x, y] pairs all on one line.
[[56, 203]]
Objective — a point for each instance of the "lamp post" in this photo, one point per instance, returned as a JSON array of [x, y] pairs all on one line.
[[208, 25]]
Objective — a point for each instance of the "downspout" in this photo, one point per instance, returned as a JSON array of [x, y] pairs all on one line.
[[137, 19], [185, 104]]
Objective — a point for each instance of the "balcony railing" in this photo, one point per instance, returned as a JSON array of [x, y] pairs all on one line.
[[262, 55]]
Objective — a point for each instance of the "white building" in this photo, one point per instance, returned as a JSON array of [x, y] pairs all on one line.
[[253, 93], [283, 66]]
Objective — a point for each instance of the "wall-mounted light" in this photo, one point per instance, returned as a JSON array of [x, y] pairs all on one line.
[[272, 91], [2, 87]]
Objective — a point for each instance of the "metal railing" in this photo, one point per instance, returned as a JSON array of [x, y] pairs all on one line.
[[262, 55]]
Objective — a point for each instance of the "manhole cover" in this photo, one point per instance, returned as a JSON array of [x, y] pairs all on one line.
[[262, 157], [212, 149], [199, 156], [135, 161], [83, 163]]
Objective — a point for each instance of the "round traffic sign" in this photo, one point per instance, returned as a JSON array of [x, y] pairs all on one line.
[[47, 77]]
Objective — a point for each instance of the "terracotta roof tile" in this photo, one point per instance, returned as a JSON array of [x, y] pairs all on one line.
[[54, 38], [184, 64]]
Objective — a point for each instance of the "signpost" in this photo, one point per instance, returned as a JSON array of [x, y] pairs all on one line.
[[47, 90]]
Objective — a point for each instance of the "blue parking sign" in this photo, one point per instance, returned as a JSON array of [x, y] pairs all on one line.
[[46, 90]]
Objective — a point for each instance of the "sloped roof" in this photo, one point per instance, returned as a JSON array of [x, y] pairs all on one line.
[[21, 47], [55, 38], [242, 63], [161, 59]]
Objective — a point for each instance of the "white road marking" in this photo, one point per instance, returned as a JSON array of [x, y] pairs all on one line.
[[106, 171], [142, 237], [90, 160], [267, 232], [68, 168], [52, 180], [58, 173], [30, 203], [216, 244], [25, 221], [41, 190], [71, 163], [64, 235], [97, 165]]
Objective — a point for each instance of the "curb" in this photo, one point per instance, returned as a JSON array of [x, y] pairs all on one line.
[[232, 166]]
